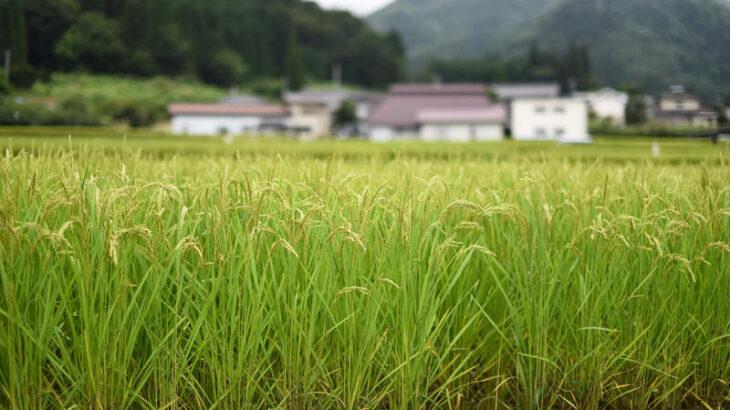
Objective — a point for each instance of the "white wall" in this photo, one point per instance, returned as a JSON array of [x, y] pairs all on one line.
[[214, 125], [557, 119], [382, 134], [461, 132], [613, 109], [489, 132], [680, 103]]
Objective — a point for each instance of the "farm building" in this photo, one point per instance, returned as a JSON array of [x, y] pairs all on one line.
[[228, 119], [557, 119], [437, 112], [606, 103], [312, 110], [679, 108]]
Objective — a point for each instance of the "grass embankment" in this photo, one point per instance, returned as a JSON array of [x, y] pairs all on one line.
[[98, 99], [386, 276]]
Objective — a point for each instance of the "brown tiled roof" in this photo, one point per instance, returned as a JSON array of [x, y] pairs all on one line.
[[264, 110]]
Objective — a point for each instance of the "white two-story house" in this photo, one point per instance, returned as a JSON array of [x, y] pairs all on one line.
[[550, 119]]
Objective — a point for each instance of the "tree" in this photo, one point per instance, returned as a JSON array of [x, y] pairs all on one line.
[[4, 88], [293, 69], [12, 30], [636, 109], [171, 50], [93, 43], [345, 114], [47, 21], [224, 68]]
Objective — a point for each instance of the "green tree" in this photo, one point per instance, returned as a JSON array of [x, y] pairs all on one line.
[[47, 21], [345, 114], [636, 109], [293, 69], [12, 30], [224, 68], [93, 43]]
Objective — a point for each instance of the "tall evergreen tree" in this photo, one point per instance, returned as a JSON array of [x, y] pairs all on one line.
[[293, 70], [14, 37]]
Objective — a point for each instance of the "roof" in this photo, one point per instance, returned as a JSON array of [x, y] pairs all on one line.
[[332, 99], [603, 93], [403, 110], [526, 90], [263, 110], [492, 114], [243, 99], [438, 89]]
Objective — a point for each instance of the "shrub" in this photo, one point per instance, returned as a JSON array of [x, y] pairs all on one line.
[[4, 87], [25, 75], [224, 68]]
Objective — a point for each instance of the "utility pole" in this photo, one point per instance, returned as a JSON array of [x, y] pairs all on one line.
[[336, 75], [7, 67]]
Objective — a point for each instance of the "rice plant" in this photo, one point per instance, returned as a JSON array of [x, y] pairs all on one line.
[[131, 279]]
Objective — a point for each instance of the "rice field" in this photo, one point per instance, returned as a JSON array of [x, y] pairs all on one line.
[[187, 274]]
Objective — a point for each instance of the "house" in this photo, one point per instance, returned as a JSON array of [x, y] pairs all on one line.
[[607, 103], [679, 108], [437, 112], [462, 125], [228, 119], [508, 92], [312, 110], [556, 119]]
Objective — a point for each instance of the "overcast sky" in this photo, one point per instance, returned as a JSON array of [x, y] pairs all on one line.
[[359, 7]]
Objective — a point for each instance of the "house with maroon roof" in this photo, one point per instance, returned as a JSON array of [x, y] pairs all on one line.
[[228, 118], [437, 112]]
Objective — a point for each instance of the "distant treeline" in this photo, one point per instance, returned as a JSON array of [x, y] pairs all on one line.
[[572, 69], [223, 42]]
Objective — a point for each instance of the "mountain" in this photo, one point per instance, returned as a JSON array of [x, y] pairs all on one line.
[[456, 28], [652, 43]]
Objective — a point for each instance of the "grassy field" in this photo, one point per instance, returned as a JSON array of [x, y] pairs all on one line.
[[153, 272]]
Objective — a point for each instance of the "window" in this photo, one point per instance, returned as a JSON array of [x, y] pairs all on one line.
[[559, 109], [442, 132], [540, 109], [222, 131], [540, 133], [559, 132]]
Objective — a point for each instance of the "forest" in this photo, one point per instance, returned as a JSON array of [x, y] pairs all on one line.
[[572, 68], [221, 42]]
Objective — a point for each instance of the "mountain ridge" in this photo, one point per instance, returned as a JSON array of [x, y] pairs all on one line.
[[646, 43]]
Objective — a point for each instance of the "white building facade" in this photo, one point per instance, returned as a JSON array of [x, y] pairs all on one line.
[[450, 125], [550, 119], [228, 119], [607, 103]]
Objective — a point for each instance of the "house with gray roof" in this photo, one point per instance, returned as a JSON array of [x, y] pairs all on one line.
[[437, 112]]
